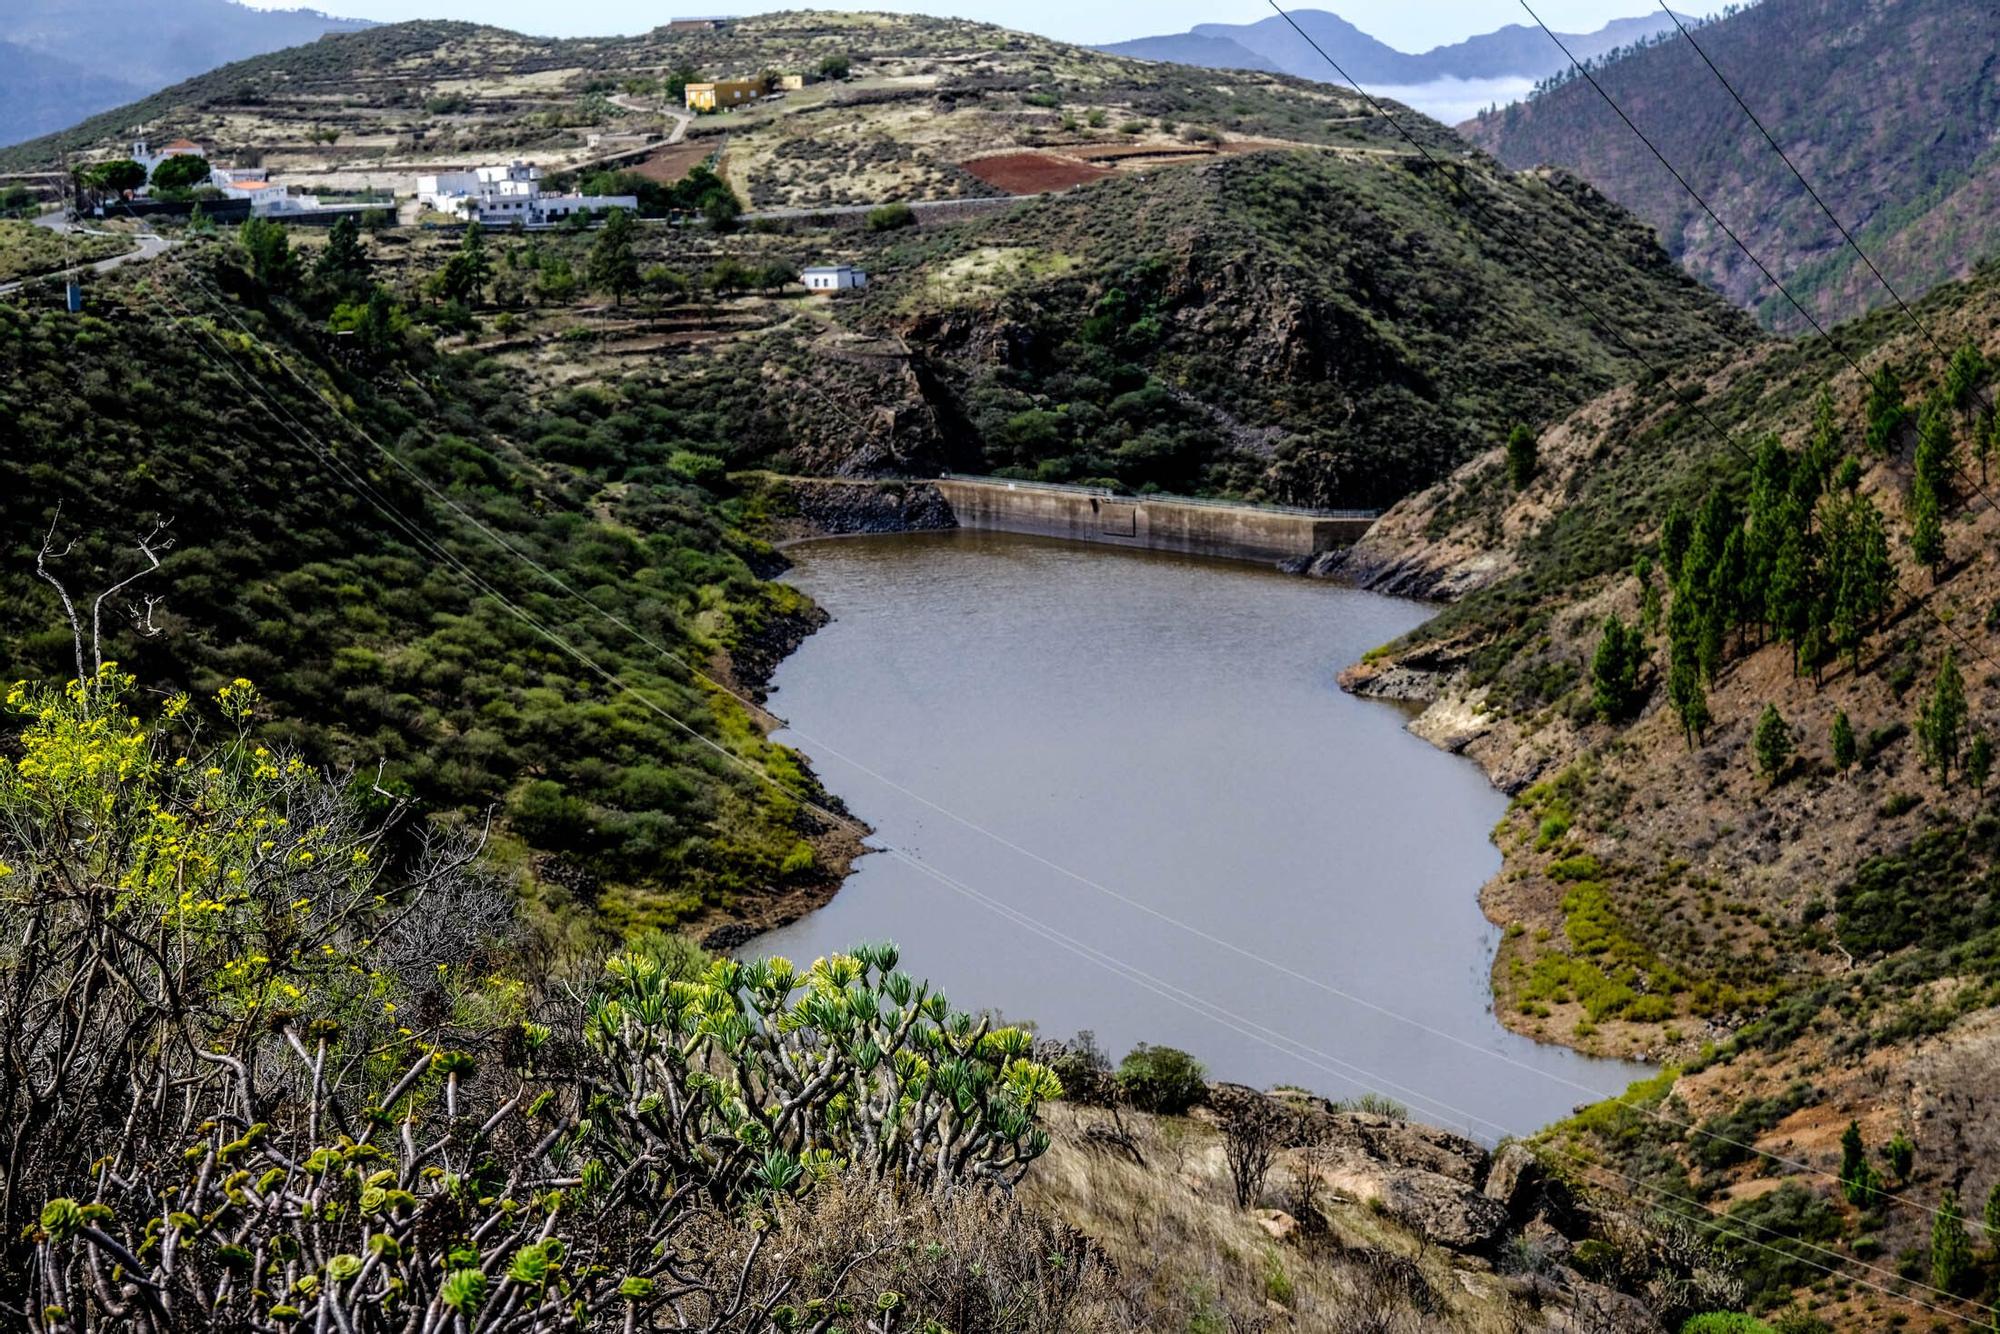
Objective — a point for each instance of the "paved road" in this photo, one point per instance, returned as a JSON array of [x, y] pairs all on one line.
[[151, 246], [680, 119]]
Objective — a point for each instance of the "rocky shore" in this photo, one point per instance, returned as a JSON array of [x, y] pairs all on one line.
[[804, 508]]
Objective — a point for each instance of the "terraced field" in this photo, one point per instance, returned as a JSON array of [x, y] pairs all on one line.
[[922, 99]]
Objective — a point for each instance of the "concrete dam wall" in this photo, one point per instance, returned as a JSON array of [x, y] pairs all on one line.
[[1158, 523], [1267, 534]]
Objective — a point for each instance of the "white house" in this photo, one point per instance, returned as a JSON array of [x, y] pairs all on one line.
[[148, 157], [224, 177], [507, 194], [833, 278]]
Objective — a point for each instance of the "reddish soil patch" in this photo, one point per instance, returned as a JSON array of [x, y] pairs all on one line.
[[674, 161], [1120, 152], [1030, 173]]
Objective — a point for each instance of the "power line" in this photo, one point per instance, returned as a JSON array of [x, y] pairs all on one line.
[[1786, 159], [1355, 1075], [340, 413], [1750, 254], [1610, 329], [1720, 434]]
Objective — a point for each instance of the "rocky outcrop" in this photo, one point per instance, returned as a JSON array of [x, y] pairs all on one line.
[[1515, 1180], [1445, 1212], [856, 406], [824, 508]]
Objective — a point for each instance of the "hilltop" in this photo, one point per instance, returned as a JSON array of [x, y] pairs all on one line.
[[1514, 51], [1191, 245], [1890, 110]]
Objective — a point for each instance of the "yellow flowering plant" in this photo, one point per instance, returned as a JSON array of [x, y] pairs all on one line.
[[179, 906]]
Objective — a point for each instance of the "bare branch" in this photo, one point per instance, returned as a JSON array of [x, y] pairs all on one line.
[[150, 546], [42, 559]]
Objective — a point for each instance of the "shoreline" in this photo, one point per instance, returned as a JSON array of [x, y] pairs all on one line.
[[1455, 721], [836, 846]]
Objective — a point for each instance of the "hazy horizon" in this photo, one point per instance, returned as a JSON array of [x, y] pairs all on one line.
[[1407, 27]]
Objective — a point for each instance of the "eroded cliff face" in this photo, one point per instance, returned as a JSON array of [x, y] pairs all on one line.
[[857, 406]]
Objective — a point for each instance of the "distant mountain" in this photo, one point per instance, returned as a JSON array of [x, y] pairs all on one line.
[[1514, 52], [44, 92], [1890, 109], [65, 59], [1187, 48]]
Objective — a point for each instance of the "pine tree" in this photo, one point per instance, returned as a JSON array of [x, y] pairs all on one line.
[[1649, 594], [1790, 606], [1614, 671], [1685, 622], [1901, 1155], [1675, 533], [1734, 594], [1926, 517], [466, 273], [1824, 447], [1770, 528], [1964, 376], [1942, 723], [1937, 445], [1844, 750], [343, 264], [1689, 699], [1856, 1174], [1773, 742], [1884, 409], [1979, 762], [1523, 457], [1951, 1248]]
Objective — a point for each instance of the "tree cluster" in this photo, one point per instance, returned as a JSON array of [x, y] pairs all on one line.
[[1806, 561]]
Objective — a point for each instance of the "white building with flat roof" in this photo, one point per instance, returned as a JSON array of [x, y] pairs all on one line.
[[833, 278], [513, 193]]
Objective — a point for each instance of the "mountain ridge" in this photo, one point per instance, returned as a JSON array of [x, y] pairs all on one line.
[[1511, 51], [150, 43], [1892, 111]]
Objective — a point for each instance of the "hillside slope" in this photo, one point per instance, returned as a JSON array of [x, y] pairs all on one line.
[[1891, 110], [45, 92], [1257, 289], [1810, 939], [1314, 327], [369, 643]]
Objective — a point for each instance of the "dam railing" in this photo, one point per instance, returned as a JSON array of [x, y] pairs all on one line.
[[1142, 497]]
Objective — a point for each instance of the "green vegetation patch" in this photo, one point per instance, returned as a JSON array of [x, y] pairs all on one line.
[[27, 250]]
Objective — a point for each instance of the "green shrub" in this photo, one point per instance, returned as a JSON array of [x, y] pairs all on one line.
[[1163, 1080], [1725, 1322], [891, 217]]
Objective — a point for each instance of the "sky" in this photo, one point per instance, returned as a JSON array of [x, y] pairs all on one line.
[[1409, 25]]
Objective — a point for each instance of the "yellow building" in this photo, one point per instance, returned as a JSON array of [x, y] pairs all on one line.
[[723, 95]]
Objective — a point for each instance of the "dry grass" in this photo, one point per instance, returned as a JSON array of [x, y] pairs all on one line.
[[1188, 1256]]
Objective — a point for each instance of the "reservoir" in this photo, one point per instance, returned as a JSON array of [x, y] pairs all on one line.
[[1192, 836]]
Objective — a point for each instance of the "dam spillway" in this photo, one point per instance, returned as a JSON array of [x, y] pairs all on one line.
[[1196, 526]]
